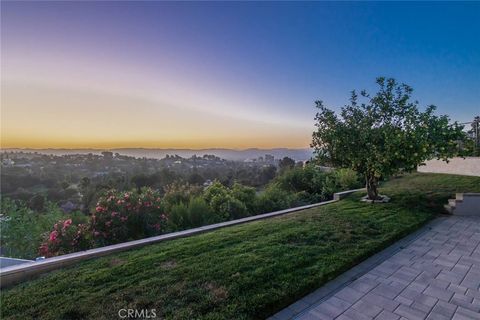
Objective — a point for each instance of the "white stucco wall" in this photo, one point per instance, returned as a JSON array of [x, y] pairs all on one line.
[[469, 166]]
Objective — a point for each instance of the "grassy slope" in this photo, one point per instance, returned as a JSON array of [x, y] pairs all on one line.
[[243, 272]]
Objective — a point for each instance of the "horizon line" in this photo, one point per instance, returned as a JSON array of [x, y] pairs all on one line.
[[149, 148]]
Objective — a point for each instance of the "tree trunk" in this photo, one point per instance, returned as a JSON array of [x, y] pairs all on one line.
[[372, 187]]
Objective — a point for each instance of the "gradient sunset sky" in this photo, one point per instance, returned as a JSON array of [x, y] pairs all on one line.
[[236, 75]]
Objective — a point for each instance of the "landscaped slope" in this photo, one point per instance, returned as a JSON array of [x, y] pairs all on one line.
[[242, 272]]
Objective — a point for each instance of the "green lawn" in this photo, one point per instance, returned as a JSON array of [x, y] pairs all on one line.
[[243, 272]]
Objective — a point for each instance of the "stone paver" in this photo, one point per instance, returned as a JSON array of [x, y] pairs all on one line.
[[435, 276]]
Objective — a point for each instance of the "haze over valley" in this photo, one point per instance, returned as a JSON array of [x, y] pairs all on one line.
[[228, 154]]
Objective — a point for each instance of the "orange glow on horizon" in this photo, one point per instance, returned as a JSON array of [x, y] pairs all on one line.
[[41, 117], [236, 144]]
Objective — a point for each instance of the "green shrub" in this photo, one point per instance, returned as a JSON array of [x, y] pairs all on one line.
[[178, 217], [310, 184], [22, 229], [177, 193], [340, 180], [199, 213], [194, 214], [216, 189], [297, 179], [246, 195], [347, 179], [226, 207], [223, 203], [274, 198]]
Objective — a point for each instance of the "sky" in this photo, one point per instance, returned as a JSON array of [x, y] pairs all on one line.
[[220, 74]]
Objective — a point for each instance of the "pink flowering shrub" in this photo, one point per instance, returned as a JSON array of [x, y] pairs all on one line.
[[118, 217], [66, 237], [124, 216]]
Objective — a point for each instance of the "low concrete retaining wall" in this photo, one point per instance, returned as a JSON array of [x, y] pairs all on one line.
[[469, 166], [340, 195], [16, 274]]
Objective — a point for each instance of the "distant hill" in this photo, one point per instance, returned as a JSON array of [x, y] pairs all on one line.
[[229, 154]]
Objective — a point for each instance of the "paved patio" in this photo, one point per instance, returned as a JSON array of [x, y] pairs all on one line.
[[436, 275]]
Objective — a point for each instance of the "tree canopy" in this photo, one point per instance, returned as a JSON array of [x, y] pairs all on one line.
[[382, 134]]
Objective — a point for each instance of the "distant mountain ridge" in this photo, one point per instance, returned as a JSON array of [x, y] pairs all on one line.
[[229, 154]]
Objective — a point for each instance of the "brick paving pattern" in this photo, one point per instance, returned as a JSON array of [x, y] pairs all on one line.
[[437, 276]]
